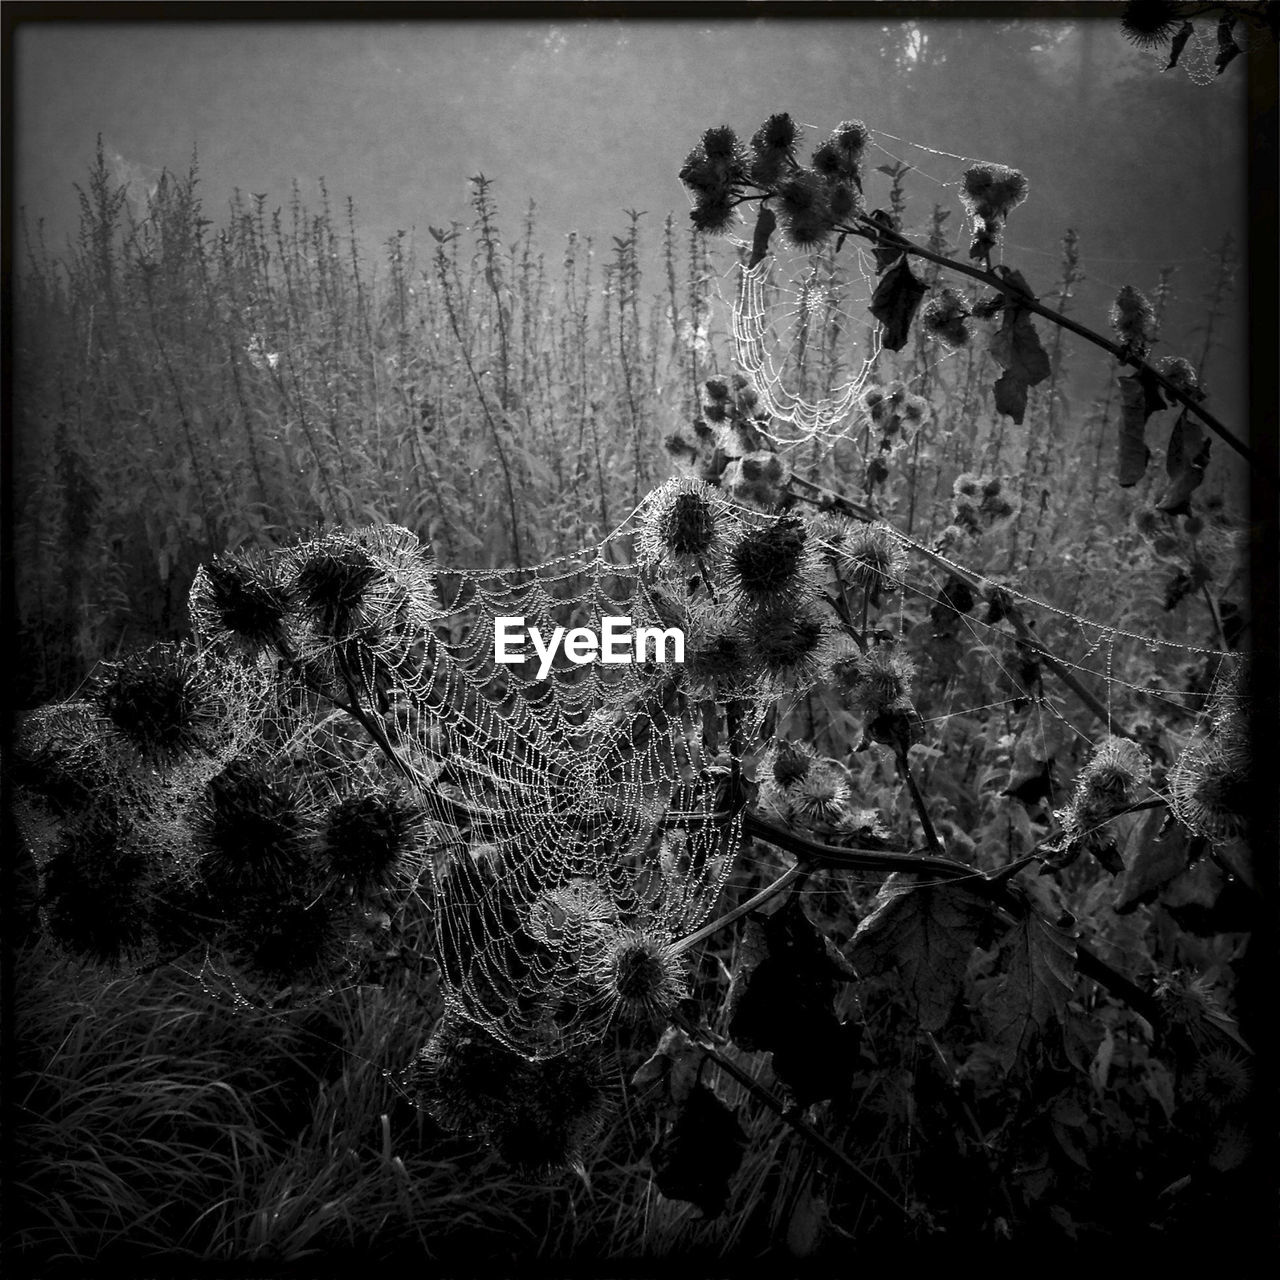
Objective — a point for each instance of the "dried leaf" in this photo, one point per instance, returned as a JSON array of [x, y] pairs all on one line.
[[781, 1000], [1185, 32], [895, 302], [1139, 398], [926, 933], [1162, 854], [675, 1064], [1011, 397], [1227, 47], [885, 254], [1016, 348], [766, 221], [1039, 976], [1186, 462], [698, 1154]]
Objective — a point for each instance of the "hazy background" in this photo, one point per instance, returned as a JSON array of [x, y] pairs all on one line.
[[593, 117]]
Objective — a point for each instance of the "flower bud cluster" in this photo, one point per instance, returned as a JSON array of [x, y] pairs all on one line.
[[978, 504], [1133, 320], [989, 193], [943, 317]]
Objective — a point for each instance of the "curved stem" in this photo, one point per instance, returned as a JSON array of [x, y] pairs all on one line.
[[883, 237]]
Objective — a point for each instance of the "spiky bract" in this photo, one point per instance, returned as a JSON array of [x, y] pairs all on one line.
[[163, 699], [639, 976], [683, 525], [367, 833]]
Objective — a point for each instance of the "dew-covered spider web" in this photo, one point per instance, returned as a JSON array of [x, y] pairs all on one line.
[[802, 333], [579, 819]]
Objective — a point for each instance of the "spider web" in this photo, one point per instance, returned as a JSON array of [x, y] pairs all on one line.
[[578, 817], [795, 326]]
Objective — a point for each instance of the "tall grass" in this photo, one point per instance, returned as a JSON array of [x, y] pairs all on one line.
[[183, 387]]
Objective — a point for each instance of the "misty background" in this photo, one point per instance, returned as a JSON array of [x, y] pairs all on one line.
[[590, 118]]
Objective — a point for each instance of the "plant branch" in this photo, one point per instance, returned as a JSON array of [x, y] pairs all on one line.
[[886, 238]]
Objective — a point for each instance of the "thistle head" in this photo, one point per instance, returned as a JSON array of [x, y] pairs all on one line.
[[239, 600], [1133, 320], [640, 976], [990, 192], [771, 563], [367, 834], [162, 699], [683, 525], [943, 317]]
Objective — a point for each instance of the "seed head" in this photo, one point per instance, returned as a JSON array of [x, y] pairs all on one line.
[[333, 579], [778, 133], [1149, 24], [788, 762], [640, 976], [880, 680], [367, 833], [1182, 374], [804, 209], [872, 556], [1133, 320], [256, 826], [769, 564], [539, 1115], [238, 599], [943, 316], [162, 699], [1209, 785], [1111, 780], [991, 191], [790, 646], [682, 525], [1220, 1080], [822, 796]]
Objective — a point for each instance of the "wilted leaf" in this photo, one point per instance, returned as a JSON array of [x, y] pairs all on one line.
[[1011, 397], [1185, 32], [698, 1154], [766, 221], [1016, 348], [1039, 976], [781, 1001], [1139, 398], [885, 254], [1186, 462], [926, 933], [675, 1064], [1161, 855], [895, 302], [1227, 47]]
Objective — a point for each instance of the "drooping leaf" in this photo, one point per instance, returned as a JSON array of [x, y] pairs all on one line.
[[766, 221], [895, 302], [888, 253], [1162, 853], [1038, 960], [926, 934], [1011, 397], [673, 1065], [1227, 47], [1017, 349], [1186, 462], [781, 1000], [1140, 397], [699, 1152], [1185, 32]]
